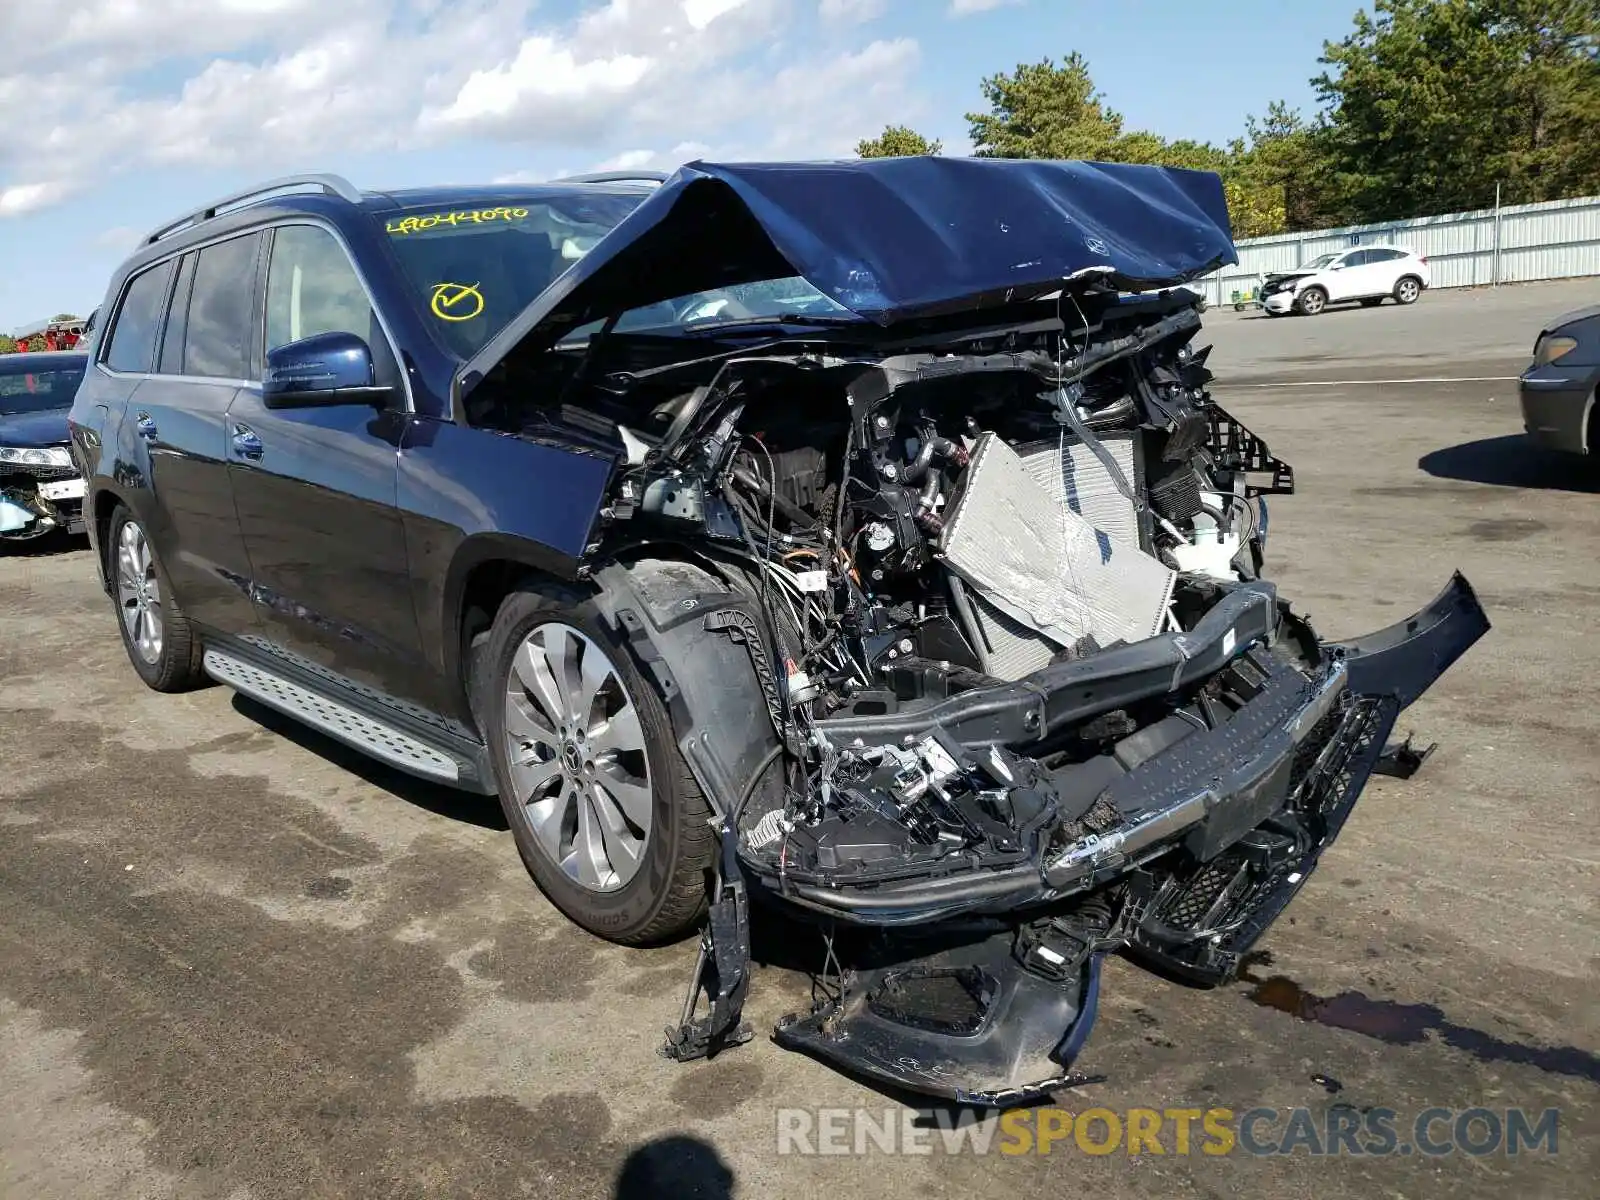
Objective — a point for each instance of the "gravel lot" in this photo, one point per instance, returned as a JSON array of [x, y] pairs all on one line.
[[238, 961]]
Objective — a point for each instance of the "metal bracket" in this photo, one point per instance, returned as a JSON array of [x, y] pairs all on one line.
[[1402, 760], [721, 970]]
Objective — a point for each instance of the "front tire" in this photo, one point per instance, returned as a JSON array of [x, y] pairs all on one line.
[[1408, 290], [606, 815], [161, 644], [1311, 301]]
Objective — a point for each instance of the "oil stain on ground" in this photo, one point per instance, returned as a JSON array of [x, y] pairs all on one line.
[[1397, 1024], [1505, 529]]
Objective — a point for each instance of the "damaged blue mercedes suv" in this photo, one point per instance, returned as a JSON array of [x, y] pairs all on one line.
[[855, 539]]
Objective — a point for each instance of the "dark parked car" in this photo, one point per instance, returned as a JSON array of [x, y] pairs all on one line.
[[40, 488], [843, 536], [1559, 387]]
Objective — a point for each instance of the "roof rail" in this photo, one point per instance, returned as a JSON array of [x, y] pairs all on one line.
[[335, 185], [617, 177]]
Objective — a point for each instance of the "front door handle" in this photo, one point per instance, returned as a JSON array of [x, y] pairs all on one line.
[[146, 426], [245, 442]]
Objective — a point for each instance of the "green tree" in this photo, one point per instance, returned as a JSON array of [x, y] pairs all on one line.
[[1430, 103], [65, 317], [1042, 110], [896, 141], [1047, 111], [8, 344]]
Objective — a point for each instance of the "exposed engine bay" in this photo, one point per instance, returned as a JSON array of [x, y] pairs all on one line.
[[1030, 700]]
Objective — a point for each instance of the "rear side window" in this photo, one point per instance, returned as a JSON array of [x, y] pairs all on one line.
[[217, 340], [133, 337], [171, 362], [1378, 256]]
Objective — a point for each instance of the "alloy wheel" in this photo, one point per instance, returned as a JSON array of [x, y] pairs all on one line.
[[577, 757], [139, 593], [1312, 303], [1407, 291]]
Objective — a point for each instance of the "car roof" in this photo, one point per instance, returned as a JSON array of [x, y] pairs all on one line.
[[484, 196], [331, 197]]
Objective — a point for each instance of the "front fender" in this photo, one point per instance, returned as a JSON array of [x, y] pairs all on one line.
[[670, 612]]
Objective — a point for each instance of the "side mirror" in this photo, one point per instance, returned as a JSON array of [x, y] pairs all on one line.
[[320, 371], [1336, 266]]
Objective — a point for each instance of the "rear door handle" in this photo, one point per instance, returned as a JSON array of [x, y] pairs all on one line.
[[145, 426], [245, 442]]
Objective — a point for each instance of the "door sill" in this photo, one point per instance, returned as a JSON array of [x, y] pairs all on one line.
[[342, 721]]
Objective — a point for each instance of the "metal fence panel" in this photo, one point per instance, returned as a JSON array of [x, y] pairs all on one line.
[[1520, 243]]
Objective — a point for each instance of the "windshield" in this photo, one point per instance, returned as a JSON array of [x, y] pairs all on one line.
[[778, 299], [1320, 261], [28, 386], [473, 269]]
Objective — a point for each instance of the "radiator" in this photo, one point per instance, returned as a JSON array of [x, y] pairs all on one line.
[[1038, 574]]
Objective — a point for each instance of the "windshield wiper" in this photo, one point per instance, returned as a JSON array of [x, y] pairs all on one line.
[[815, 319]]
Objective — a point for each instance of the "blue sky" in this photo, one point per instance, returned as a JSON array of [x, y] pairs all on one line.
[[140, 109]]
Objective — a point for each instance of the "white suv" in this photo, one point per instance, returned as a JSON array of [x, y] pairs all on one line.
[[1365, 273]]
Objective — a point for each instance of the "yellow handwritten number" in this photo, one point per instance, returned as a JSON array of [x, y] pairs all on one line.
[[457, 301]]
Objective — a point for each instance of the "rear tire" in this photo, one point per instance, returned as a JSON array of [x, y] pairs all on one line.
[[1407, 290], [1311, 301], [161, 644], [605, 812]]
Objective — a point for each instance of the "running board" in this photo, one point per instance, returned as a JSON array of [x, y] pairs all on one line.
[[338, 721]]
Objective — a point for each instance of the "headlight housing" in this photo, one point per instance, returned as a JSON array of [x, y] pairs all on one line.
[[36, 456], [1548, 349]]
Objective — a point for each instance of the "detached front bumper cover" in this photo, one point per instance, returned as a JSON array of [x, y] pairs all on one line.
[[993, 1009]]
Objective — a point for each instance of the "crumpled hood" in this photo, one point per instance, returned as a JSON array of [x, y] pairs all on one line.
[[33, 430], [891, 239]]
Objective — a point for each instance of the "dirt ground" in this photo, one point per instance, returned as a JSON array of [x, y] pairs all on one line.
[[239, 961]]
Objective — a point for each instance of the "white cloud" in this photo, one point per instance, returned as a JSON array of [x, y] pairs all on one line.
[[700, 13], [851, 12], [26, 197], [545, 81], [965, 8], [124, 85]]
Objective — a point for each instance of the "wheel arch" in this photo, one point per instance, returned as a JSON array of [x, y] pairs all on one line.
[[659, 600], [485, 569], [105, 497]]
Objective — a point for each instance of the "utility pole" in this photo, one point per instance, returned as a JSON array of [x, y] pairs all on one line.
[[1494, 270]]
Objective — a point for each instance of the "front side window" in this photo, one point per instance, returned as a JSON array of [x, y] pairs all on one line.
[[473, 268], [217, 342], [312, 289], [133, 337], [28, 385]]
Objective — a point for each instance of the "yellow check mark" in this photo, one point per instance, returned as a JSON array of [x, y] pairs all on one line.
[[456, 301]]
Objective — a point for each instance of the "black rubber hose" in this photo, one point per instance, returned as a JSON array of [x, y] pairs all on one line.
[[793, 512], [919, 465]]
